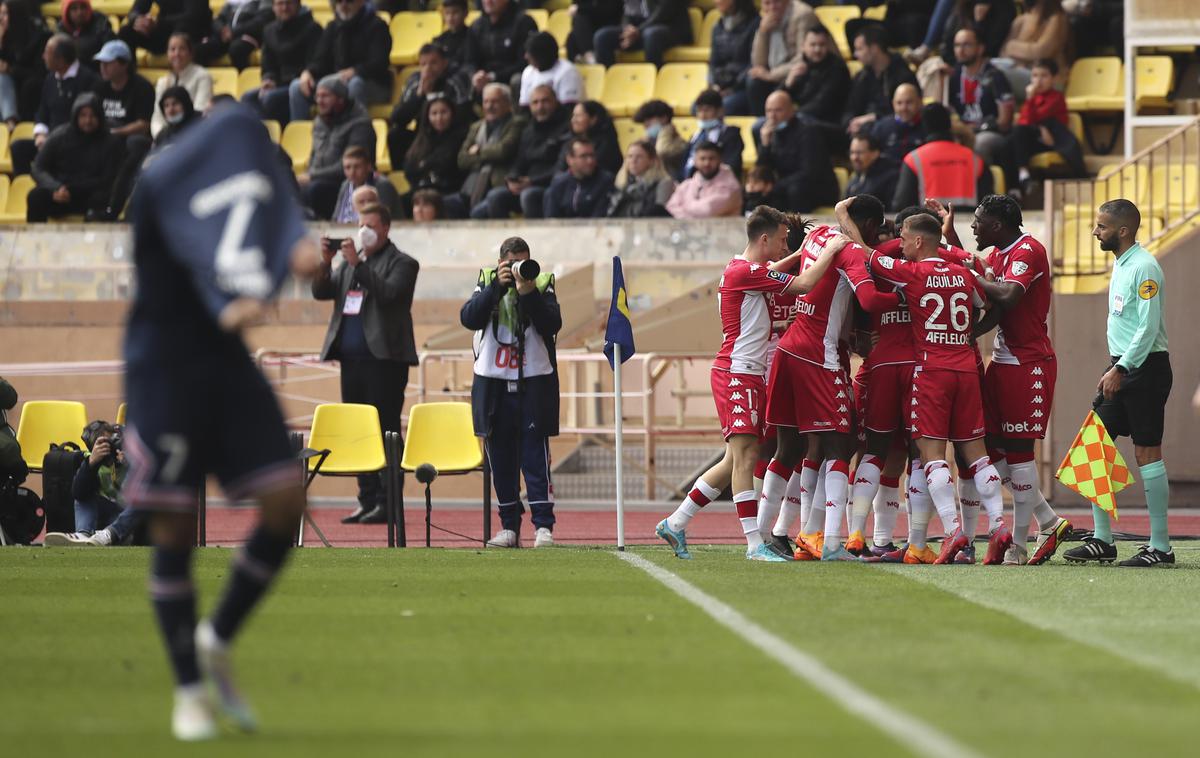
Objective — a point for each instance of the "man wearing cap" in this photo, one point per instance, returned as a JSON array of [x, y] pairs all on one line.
[[340, 123], [128, 103]]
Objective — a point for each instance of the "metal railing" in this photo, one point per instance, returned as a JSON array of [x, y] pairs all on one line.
[[1163, 181]]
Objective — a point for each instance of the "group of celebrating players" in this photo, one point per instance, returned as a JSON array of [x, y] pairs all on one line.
[[912, 303]]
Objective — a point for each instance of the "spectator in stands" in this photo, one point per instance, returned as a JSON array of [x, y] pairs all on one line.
[[489, 151], [100, 520], [127, 101], [289, 42], [1042, 31], [711, 127], [729, 53], [436, 78], [655, 116], [427, 206], [65, 80], [186, 73], [649, 25], [13, 469], [586, 17], [882, 72], [951, 15], [370, 331], [1042, 123], [777, 48], [590, 119], [583, 190], [74, 169], [979, 93], [899, 133], [760, 189], [941, 168], [237, 31], [89, 28], [453, 38], [358, 166], [545, 67], [355, 47], [22, 40], [432, 160], [340, 123], [642, 185], [820, 81], [175, 106], [151, 29], [874, 173], [711, 191], [538, 149], [799, 155], [496, 44], [907, 21], [1096, 25]]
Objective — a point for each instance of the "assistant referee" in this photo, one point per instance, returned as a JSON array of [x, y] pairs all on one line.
[[1132, 395]]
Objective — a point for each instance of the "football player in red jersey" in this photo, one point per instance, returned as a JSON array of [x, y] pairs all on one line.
[[737, 372]]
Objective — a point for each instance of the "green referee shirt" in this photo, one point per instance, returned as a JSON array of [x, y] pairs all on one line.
[[1135, 308]]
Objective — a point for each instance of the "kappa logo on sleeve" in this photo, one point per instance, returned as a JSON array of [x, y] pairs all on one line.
[[1148, 289], [778, 276]]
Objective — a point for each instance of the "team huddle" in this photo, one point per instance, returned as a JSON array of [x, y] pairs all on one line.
[[912, 306]]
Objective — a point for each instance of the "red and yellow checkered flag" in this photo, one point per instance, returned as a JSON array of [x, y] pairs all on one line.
[[1094, 467]]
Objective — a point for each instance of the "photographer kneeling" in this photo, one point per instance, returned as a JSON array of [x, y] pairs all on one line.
[[514, 395], [100, 519]]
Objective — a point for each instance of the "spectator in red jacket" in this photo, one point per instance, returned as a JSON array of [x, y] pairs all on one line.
[[1042, 123]]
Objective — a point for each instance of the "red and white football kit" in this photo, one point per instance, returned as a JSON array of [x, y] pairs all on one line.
[[887, 373], [1018, 387], [738, 371], [946, 401]]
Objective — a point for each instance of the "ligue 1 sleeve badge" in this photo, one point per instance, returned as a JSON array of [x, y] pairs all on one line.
[[1147, 289], [1019, 268]]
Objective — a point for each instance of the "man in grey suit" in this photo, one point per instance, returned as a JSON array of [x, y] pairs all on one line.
[[370, 331]]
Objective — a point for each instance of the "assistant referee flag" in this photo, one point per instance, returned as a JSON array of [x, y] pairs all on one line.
[[619, 331], [1094, 467]]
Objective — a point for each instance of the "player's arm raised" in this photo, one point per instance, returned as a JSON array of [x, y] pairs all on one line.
[[812, 275]]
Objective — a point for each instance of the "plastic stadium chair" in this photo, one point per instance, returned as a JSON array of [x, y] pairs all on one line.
[[410, 30], [5, 153], [834, 18], [540, 16], [627, 86], [593, 80], [628, 132], [400, 182], [678, 84], [225, 81], [1052, 160], [250, 78], [1173, 190], [46, 422], [1113, 181], [383, 158], [559, 24], [1153, 79], [686, 126], [274, 130], [843, 179], [998, 184], [442, 434], [15, 203], [749, 148], [384, 110], [4, 182], [1096, 85], [878, 13], [697, 52], [297, 142], [120, 414]]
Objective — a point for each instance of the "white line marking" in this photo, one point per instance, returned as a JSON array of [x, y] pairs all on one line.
[[920, 738]]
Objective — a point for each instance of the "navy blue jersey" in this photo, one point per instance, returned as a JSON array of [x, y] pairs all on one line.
[[213, 220]]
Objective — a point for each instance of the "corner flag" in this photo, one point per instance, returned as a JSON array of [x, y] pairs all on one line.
[[1094, 467], [619, 331]]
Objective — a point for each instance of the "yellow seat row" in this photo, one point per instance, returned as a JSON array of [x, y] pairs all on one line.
[[1097, 85]]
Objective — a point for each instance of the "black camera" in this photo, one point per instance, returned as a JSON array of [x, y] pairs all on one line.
[[528, 269]]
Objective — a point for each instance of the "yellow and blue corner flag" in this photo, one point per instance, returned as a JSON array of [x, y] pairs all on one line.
[[619, 331]]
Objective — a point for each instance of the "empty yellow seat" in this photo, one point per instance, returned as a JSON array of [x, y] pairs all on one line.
[[1154, 77], [46, 422], [540, 16], [627, 86], [999, 186], [877, 12], [559, 24], [225, 81], [352, 435], [297, 142], [593, 79], [274, 130], [383, 159], [834, 18], [442, 434], [410, 30], [686, 126], [698, 51], [1096, 85], [15, 201], [628, 132], [400, 182], [5, 154], [250, 78], [843, 179], [1173, 190], [749, 147], [678, 84]]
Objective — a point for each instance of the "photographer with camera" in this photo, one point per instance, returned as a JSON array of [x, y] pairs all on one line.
[[514, 395], [100, 518], [370, 331]]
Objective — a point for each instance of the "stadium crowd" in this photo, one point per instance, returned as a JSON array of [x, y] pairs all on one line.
[[495, 117]]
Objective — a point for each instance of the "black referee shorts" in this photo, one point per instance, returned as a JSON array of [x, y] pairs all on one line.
[[1138, 409]]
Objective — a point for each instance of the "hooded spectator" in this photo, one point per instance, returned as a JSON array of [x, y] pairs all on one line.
[[178, 113], [340, 123], [184, 72], [75, 167], [89, 28]]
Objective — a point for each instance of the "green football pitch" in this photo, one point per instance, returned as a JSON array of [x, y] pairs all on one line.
[[577, 652]]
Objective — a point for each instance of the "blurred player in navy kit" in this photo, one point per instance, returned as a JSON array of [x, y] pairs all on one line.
[[216, 230]]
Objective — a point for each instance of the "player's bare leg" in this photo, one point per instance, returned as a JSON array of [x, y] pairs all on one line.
[[790, 447], [987, 482], [673, 529], [744, 449]]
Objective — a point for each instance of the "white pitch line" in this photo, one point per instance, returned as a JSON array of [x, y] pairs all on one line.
[[920, 738]]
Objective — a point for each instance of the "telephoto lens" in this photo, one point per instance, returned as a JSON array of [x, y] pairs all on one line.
[[527, 269]]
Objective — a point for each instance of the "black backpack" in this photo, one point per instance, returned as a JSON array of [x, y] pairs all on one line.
[[21, 514], [58, 473]]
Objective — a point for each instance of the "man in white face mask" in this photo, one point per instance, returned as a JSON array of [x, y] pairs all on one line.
[[370, 331]]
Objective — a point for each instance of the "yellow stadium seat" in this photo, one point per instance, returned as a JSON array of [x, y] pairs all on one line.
[[1173, 190], [1113, 181], [473, 16], [322, 14], [540, 16], [5, 155], [46, 422], [998, 183], [442, 435], [297, 142], [628, 132], [15, 202], [120, 415], [152, 75], [1052, 160], [678, 84], [702, 27], [250, 78], [749, 147], [877, 13], [274, 130], [843, 179], [383, 159], [593, 79], [627, 86], [853, 66], [400, 182], [559, 24], [834, 18], [1154, 77], [225, 81], [4, 182], [410, 30], [384, 110], [1096, 85], [686, 126], [23, 130]]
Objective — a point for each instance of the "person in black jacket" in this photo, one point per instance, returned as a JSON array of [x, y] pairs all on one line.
[[993, 28], [455, 33], [496, 44], [882, 72], [289, 43], [65, 80], [100, 519], [538, 151], [588, 16], [650, 25], [152, 32], [820, 81], [711, 127], [22, 39], [179, 112], [74, 169], [514, 394], [729, 54], [89, 28], [432, 161], [237, 31], [582, 191], [591, 119], [127, 100], [874, 173], [370, 331], [356, 46], [797, 152], [437, 78]]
